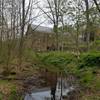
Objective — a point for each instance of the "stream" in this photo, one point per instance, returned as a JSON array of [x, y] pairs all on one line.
[[45, 93]]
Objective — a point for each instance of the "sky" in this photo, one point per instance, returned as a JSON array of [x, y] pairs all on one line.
[[42, 19], [68, 18]]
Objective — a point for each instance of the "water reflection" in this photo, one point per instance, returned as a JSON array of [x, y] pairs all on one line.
[[44, 94]]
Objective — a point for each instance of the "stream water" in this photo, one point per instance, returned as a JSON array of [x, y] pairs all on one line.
[[45, 94]]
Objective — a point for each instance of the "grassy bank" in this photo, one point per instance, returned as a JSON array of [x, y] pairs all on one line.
[[86, 69]]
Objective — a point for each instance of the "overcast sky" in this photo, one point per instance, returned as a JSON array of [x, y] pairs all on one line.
[[68, 18], [42, 19]]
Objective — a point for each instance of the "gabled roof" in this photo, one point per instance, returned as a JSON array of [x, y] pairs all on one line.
[[41, 29]]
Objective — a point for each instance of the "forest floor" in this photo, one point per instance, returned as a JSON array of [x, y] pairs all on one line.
[[19, 84]]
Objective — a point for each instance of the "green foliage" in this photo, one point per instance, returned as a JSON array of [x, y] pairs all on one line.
[[1, 95], [58, 60], [87, 77], [14, 95], [67, 63], [97, 42], [86, 68], [91, 59]]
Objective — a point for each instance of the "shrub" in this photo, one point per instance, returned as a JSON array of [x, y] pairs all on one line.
[[58, 60], [91, 59]]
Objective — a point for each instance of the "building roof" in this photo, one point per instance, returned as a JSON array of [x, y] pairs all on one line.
[[42, 29]]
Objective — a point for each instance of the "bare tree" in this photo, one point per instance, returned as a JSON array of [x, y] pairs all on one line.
[[88, 23], [53, 12], [97, 5], [15, 15]]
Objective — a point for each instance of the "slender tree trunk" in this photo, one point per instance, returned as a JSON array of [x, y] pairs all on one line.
[[61, 87], [57, 36], [22, 33], [88, 25], [62, 46], [53, 86], [77, 40], [2, 21]]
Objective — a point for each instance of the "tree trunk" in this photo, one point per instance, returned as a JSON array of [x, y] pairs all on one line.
[[88, 25]]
